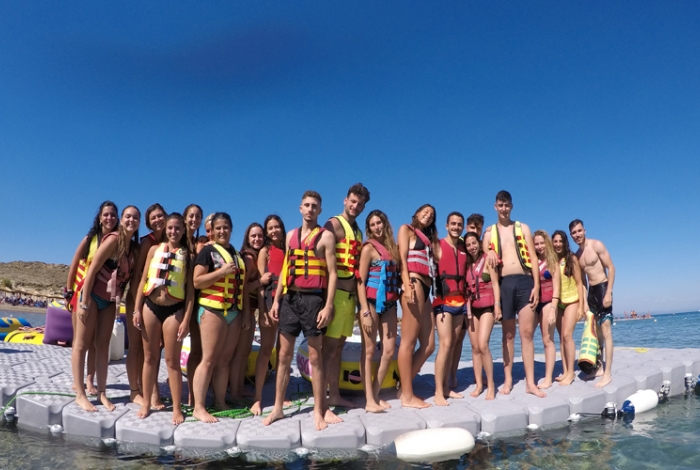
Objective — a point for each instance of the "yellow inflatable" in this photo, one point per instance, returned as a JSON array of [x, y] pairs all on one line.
[[588, 359], [350, 378], [26, 336], [10, 324]]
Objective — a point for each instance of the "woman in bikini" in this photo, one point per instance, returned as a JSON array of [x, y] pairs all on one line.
[[106, 221], [193, 221], [378, 295], [417, 243], [110, 271], [549, 297], [163, 308]]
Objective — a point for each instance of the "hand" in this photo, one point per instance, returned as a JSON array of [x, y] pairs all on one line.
[[607, 300], [265, 278], [274, 313], [245, 321], [366, 322], [552, 319], [579, 314], [492, 259], [534, 297], [82, 314], [183, 331], [497, 313], [137, 320], [229, 268], [324, 317]]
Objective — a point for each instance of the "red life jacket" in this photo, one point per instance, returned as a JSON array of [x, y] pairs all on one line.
[[304, 269], [420, 257], [546, 284], [452, 269], [481, 292], [113, 275], [383, 276], [253, 276]]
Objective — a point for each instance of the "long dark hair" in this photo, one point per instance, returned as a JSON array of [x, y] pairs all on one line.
[[431, 230], [389, 242], [267, 239], [473, 259], [195, 236], [566, 253], [124, 244], [246, 246], [183, 239], [96, 228]]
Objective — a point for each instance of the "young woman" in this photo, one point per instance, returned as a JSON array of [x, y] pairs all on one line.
[[168, 295], [155, 222], [106, 221], [483, 311], [417, 243], [253, 241], [223, 310], [570, 307], [193, 220], [270, 261], [106, 278], [549, 294], [378, 295]]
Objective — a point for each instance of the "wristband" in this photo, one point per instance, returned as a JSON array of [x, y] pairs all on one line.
[[498, 304], [555, 298], [366, 314], [85, 307]]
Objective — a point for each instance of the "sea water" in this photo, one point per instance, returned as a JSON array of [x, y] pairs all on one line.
[[666, 437]]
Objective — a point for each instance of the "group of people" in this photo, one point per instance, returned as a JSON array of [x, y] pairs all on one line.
[[19, 301], [320, 280]]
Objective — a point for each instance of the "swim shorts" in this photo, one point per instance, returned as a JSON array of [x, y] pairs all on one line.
[[452, 304], [344, 308], [515, 294], [299, 312], [101, 303], [596, 294]]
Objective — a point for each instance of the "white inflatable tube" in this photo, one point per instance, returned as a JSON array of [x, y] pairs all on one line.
[[433, 444], [643, 400]]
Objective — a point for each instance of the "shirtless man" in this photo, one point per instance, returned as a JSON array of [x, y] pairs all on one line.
[[595, 261], [304, 302], [348, 246], [520, 289]]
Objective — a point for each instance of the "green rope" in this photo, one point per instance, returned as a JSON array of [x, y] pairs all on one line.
[[60, 394], [240, 413]]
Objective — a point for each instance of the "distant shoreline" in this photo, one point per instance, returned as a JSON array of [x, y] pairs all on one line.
[[22, 308]]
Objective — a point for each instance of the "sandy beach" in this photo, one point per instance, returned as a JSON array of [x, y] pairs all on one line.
[[21, 308]]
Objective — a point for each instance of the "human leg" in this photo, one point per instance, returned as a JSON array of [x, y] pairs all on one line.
[[484, 329], [568, 346], [445, 335], [604, 331], [473, 329], [103, 335], [457, 353], [134, 355], [173, 348], [268, 336], [195, 356], [369, 339], [527, 323], [344, 305], [387, 332], [285, 354], [547, 322], [411, 323], [239, 363], [150, 334], [83, 339], [213, 330], [318, 383]]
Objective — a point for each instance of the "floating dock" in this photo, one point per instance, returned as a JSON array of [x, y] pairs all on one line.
[[45, 371]]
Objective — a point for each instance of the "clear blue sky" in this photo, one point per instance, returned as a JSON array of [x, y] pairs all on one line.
[[580, 109]]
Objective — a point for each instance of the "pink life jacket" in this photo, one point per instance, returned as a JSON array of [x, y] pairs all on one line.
[[481, 292], [546, 283]]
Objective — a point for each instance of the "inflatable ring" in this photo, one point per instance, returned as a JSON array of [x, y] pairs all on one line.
[[350, 377], [252, 358], [10, 324], [26, 335]]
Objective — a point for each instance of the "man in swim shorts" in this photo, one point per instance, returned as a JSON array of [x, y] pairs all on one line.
[[348, 246], [512, 242], [599, 272], [304, 302]]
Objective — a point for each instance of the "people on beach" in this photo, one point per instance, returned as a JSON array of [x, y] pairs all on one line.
[[348, 244], [550, 280], [417, 243], [483, 311], [223, 310], [304, 302], [570, 305], [378, 293], [104, 284], [599, 270], [449, 303], [162, 310], [106, 221], [511, 241]]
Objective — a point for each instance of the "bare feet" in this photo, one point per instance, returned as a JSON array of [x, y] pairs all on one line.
[[340, 401], [477, 391], [156, 403], [558, 378], [533, 390], [178, 417], [604, 381], [545, 384], [567, 380], [256, 408], [287, 403], [90, 388], [320, 422], [85, 404], [105, 401], [273, 416], [135, 397], [491, 392], [143, 412], [440, 401], [331, 418], [455, 395], [385, 404], [414, 402], [374, 408], [505, 390], [222, 406], [204, 416]]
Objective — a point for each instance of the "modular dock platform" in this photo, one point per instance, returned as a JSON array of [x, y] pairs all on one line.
[[46, 370]]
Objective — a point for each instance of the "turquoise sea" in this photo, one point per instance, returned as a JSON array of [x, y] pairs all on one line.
[[666, 437]]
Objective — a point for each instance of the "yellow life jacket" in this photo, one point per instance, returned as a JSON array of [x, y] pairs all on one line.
[[347, 250], [569, 291], [167, 269], [521, 244], [84, 264], [227, 291]]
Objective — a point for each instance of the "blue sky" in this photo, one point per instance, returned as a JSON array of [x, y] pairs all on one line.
[[580, 109]]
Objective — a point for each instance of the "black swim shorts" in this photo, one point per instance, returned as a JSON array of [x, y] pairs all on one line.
[[515, 294], [299, 312], [596, 294]]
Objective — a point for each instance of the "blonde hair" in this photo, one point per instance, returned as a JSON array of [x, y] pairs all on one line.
[[549, 254]]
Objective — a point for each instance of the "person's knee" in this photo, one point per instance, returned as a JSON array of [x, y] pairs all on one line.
[[388, 353], [483, 346], [476, 349], [172, 363]]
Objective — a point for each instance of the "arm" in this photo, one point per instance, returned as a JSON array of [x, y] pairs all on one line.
[[497, 312], [73, 270], [104, 252], [202, 278], [607, 264], [137, 287], [274, 311], [491, 256], [556, 285], [265, 278], [579, 287], [184, 328], [535, 295], [365, 260], [327, 244], [404, 241]]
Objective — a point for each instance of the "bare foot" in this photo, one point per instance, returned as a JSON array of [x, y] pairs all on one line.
[[477, 391], [491, 393], [545, 384], [453, 383], [558, 378], [414, 402], [320, 422], [204, 416], [178, 417], [90, 388], [599, 372], [273, 416], [440, 401], [256, 408], [453, 394], [532, 389], [135, 397], [332, 418], [340, 401], [156, 403], [287, 403], [505, 390], [143, 412], [374, 408], [105, 401], [567, 380], [385, 404], [85, 404], [604, 381], [222, 406]]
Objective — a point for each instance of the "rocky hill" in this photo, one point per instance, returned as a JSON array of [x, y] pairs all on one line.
[[33, 277]]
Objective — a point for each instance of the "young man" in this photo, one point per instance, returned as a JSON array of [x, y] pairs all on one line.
[[348, 246], [475, 223], [303, 302], [595, 261], [450, 303], [512, 242]]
